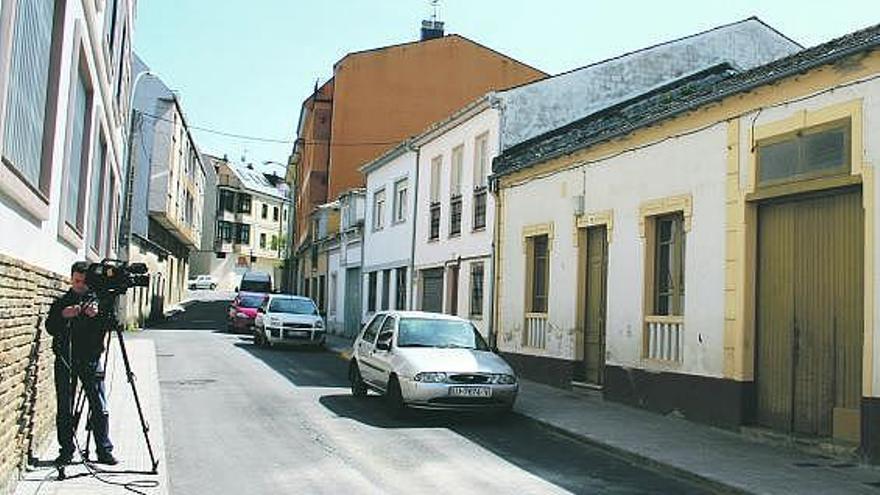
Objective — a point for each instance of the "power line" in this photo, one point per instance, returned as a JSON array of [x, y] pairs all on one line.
[[273, 140]]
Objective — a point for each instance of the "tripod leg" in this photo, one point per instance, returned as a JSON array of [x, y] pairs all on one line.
[[131, 378]]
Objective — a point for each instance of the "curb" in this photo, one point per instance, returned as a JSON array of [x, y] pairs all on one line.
[[660, 467]]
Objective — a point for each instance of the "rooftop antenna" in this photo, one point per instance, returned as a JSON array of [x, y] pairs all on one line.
[[432, 28], [434, 8]]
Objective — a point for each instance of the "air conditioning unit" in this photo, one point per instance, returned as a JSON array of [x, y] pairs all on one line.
[[577, 204]]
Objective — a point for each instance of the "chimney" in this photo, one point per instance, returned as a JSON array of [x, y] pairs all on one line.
[[432, 29]]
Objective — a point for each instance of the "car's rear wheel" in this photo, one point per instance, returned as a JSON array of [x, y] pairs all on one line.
[[358, 387], [394, 399]]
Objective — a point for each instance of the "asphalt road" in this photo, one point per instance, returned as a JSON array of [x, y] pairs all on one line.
[[241, 419]]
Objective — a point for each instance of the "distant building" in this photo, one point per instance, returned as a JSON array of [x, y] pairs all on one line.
[[251, 211], [167, 197]]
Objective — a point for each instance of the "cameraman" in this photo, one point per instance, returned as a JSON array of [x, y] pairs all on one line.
[[78, 330]]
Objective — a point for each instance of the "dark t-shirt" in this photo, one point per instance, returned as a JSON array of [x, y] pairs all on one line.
[[85, 334]]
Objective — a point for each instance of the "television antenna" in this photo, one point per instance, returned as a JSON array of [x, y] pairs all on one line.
[[434, 9]]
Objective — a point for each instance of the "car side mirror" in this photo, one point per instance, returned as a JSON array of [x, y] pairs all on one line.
[[236, 288], [383, 345], [260, 310]]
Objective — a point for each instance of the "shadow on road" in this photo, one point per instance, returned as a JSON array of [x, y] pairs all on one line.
[[196, 315], [303, 366]]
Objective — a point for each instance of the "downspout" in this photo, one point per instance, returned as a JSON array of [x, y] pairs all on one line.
[[493, 261], [412, 255]]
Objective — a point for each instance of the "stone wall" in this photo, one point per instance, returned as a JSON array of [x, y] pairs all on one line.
[[27, 392]]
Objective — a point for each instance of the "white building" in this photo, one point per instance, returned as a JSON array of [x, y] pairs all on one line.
[[64, 101], [709, 248], [251, 213], [389, 229], [455, 227], [344, 252]]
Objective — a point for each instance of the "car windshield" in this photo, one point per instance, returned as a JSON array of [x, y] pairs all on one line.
[[293, 306], [251, 301], [425, 332]]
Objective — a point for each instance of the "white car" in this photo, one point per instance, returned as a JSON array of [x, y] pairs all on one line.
[[429, 361], [203, 282], [287, 319]]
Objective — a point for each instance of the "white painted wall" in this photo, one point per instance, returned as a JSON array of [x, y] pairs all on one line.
[[692, 165], [469, 245], [36, 241]]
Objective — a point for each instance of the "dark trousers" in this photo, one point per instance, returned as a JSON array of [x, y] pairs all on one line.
[[90, 374]]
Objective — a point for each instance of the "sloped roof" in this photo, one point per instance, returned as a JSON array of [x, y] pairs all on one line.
[[255, 181], [676, 98]]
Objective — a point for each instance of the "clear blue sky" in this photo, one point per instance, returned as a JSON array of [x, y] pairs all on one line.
[[245, 66]]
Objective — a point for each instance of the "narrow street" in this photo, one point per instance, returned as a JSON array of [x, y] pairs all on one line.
[[239, 419]]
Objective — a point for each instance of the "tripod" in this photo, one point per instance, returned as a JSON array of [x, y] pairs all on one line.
[[78, 405]]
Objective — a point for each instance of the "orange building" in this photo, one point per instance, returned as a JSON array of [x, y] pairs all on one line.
[[379, 97]]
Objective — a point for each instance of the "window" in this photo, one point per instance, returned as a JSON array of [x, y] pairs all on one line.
[[481, 160], [455, 170], [27, 93], [387, 331], [77, 153], [109, 221], [400, 200], [386, 289], [455, 216], [539, 273], [436, 170], [668, 265], [379, 209], [480, 209], [332, 294], [224, 231], [242, 233], [96, 193], [273, 245], [262, 240], [285, 215], [244, 203], [275, 213], [109, 24], [476, 289], [453, 290], [227, 200], [264, 214], [371, 291], [372, 329], [434, 234], [821, 150], [400, 290]]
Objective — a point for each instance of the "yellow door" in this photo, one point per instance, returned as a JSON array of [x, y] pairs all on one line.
[[809, 314]]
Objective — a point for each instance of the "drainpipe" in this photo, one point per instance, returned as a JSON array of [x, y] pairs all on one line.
[[412, 254]]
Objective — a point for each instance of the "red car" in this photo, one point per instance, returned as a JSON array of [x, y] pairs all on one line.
[[243, 310]]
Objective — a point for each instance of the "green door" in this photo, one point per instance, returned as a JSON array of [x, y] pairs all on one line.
[[594, 330], [809, 314]]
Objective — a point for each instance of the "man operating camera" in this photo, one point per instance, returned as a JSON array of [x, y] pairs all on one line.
[[78, 328]]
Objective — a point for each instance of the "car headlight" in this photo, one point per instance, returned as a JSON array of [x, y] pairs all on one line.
[[430, 377], [241, 315], [273, 321], [503, 379], [319, 324]]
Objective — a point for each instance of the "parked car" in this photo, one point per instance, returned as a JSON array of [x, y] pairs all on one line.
[[243, 311], [254, 281], [287, 319], [430, 361], [203, 282]]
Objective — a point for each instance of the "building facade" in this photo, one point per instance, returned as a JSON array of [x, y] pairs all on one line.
[[65, 76], [708, 248], [168, 188], [251, 211], [345, 251], [338, 131], [388, 236]]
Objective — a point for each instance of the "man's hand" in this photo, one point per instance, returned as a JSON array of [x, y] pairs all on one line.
[[71, 311], [91, 310]]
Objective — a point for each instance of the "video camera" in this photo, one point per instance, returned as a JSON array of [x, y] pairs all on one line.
[[115, 277]]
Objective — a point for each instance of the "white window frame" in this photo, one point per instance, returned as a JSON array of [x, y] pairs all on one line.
[[401, 200], [379, 209]]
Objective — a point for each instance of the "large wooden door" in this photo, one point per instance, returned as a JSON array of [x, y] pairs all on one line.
[[594, 324], [809, 315]]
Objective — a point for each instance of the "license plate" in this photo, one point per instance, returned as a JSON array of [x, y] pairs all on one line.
[[470, 391], [296, 333]]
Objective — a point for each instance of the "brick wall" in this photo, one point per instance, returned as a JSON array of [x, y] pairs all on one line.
[[27, 392]]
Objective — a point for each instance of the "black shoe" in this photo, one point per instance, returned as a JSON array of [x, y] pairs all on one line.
[[108, 459], [63, 459]]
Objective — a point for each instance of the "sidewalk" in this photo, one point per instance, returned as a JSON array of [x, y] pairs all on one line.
[[125, 431], [719, 459]]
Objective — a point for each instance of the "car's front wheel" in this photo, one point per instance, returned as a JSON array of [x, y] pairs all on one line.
[[358, 386], [394, 399]]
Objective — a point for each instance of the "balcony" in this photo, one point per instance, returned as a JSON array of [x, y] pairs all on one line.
[[664, 338]]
